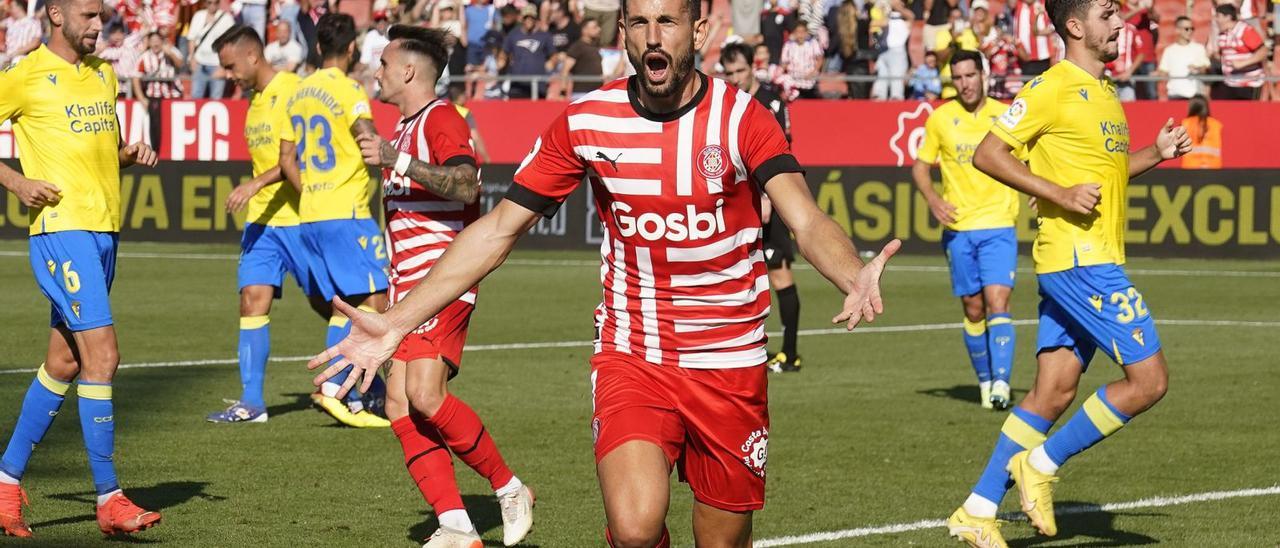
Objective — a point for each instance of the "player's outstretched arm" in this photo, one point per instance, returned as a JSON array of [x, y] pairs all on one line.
[[456, 182], [995, 158], [1171, 142], [477, 251], [289, 164], [825, 245]]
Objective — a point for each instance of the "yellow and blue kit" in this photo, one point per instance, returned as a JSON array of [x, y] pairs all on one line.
[[272, 241], [1076, 133], [981, 244], [345, 247], [64, 119]]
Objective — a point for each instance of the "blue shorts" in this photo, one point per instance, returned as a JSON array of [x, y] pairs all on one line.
[[268, 252], [980, 258], [475, 53], [1095, 307], [74, 270], [347, 257]]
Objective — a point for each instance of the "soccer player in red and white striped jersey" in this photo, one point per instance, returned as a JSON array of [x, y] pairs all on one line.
[[1033, 27], [678, 163], [430, 188]]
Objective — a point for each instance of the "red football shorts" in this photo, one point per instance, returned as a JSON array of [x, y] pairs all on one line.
[[443, 337], [713, 424]]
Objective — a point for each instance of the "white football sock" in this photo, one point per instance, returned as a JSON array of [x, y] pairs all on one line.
[[511, 487], [1041, 461], [102, 499], [6, 478], [457, 520], [984, 385], [330, 389], [979, 507]]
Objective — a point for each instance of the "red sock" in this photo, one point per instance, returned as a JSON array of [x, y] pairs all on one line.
[[465, 434], [429, 463], [663, 542]]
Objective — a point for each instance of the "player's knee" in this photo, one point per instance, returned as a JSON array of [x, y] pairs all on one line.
[[1153, 390], [973, 310], [397, 406], [427, 397], [634, 533]]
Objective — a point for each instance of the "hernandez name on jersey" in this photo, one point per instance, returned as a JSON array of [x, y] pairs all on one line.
[[679, 195]]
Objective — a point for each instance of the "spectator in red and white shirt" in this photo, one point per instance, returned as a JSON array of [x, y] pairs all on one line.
[[1140, 14], [122, 51], [1242, 55], [154, 82], [1129, 56], [1032, 26], [22, 34], [802, 60], [679, 164]]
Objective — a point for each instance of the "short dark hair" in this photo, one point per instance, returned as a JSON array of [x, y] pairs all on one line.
[[1182, 18], [430, 43], [738, 50], [236, 35], [508, 9], [335, 32], [966, 55], [1061, 10], [1228, 10], [694, 7]]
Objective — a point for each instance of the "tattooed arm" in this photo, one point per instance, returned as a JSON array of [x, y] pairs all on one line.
[[455, 182]]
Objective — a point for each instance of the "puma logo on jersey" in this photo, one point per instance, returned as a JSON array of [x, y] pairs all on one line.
[[612, 161], [675, 227]]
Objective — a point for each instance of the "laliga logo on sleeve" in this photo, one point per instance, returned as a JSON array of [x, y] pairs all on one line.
[[910, 126], [711, 162], [1016, 111]]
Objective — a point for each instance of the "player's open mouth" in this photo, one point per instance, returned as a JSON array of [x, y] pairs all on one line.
[[656, 65]]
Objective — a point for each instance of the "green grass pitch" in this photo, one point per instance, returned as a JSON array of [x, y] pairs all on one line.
[[879, 429]]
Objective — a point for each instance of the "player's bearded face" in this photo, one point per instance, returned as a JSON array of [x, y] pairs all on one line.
[[1102, 30], [660, 41], [81, 24]]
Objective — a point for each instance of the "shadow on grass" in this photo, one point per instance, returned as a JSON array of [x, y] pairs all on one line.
[[1087, 525], [967, 393], [157, 497], [301, 401], [484, 513]]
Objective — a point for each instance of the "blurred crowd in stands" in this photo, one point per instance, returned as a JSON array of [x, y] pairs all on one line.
[[561, 49]]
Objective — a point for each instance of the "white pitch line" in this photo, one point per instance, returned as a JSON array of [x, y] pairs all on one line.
[[1152, 502], [799, 266], [583, 344]]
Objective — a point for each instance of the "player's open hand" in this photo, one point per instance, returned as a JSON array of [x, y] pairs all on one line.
[[1172, 141], [864, 302], [138, 154], [241, 195], [377, 152], [1080, 198], [35, 193], [943, 211], [369, 345]]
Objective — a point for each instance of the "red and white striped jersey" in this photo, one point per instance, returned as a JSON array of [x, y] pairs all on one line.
[[683, 270], [1237, 45], [1026, 21], [1128, 45], [420, 224]]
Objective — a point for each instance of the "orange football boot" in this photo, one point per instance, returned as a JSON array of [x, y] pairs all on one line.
[[12, 498], [121, 515]]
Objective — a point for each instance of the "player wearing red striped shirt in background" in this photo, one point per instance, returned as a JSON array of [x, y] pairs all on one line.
[[430, 188], [678, 163]]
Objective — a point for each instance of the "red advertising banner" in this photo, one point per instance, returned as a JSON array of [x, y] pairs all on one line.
[[826, 133]]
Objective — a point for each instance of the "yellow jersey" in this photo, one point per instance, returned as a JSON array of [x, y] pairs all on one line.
[[335, 181], [1076, 133], [64, 118], [951, 136], [276, 204]]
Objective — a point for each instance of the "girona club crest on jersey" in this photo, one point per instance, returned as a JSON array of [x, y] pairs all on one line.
[[756, 451], [712, 161]]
